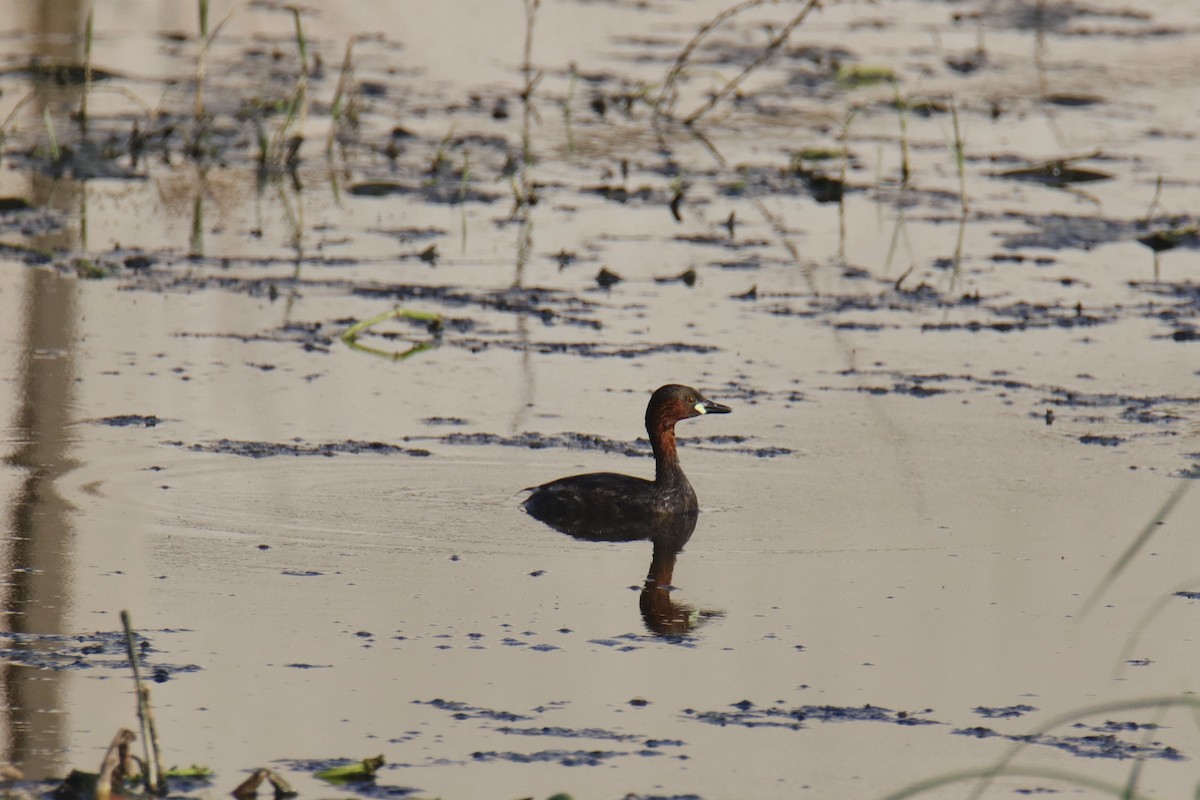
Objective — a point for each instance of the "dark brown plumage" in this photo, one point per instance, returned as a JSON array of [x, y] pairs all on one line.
[[608, 498]]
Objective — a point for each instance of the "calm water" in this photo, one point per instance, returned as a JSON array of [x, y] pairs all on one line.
[[916, 492]]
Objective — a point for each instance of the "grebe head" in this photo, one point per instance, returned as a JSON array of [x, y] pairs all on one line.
[[674, 402]]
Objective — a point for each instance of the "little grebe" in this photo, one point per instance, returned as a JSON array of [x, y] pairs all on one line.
[[568, 502]]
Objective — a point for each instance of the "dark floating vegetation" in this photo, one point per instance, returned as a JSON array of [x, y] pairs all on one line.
[[548, 305], [9, 205], [460, 710], [99, 650], [384, 151], [131, 420], [1004, 712], [912, 389], [1102, 741], [1139, 416], [1168, 238], [1055, 173], [1103, 441], [60, 74], [1086, 232], [581, 441], [569, 733], [747, 714], [798, 179], [299, 448], [1091, 745], [566, 758], [532, 441], [439, 192]]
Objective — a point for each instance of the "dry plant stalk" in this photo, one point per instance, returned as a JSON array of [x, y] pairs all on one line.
[[112, 768], [681, 60], [249, 787], [154, 771]]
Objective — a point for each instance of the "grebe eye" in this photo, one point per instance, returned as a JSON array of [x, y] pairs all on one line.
[[691, 401]]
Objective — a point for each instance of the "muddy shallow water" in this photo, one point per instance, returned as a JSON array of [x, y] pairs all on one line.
[[950, 420]]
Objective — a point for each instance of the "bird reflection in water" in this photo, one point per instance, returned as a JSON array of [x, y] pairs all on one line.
[[668, 533], [609, 507]]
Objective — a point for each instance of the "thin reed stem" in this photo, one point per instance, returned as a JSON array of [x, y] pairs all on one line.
[[88, 34], [959, 157]]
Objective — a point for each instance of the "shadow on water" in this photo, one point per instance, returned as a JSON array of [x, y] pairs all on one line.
[[668, 533]]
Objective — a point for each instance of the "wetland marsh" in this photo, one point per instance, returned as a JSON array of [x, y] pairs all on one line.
[[939, 259]]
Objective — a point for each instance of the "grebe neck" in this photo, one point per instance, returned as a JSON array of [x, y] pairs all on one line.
[[667, 469]]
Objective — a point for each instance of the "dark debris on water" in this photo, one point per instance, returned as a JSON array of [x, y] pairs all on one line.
[[532, 441], [300, 448], [584, 349], [549, 305], [130, 420], [566, 758], [451, 191], [1103, 441], [372, 789], [103, 649], [1106, 408], [587, 441], [1094, 745], [1080, 232], [1004, 712], [540, 441], [747, 714], [461, 710], [569, 733]]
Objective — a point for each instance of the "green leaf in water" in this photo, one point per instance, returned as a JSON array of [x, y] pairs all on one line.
[[361, 771]]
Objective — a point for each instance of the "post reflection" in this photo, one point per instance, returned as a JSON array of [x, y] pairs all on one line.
[[37, 549], [668, 534], [36, 596]]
